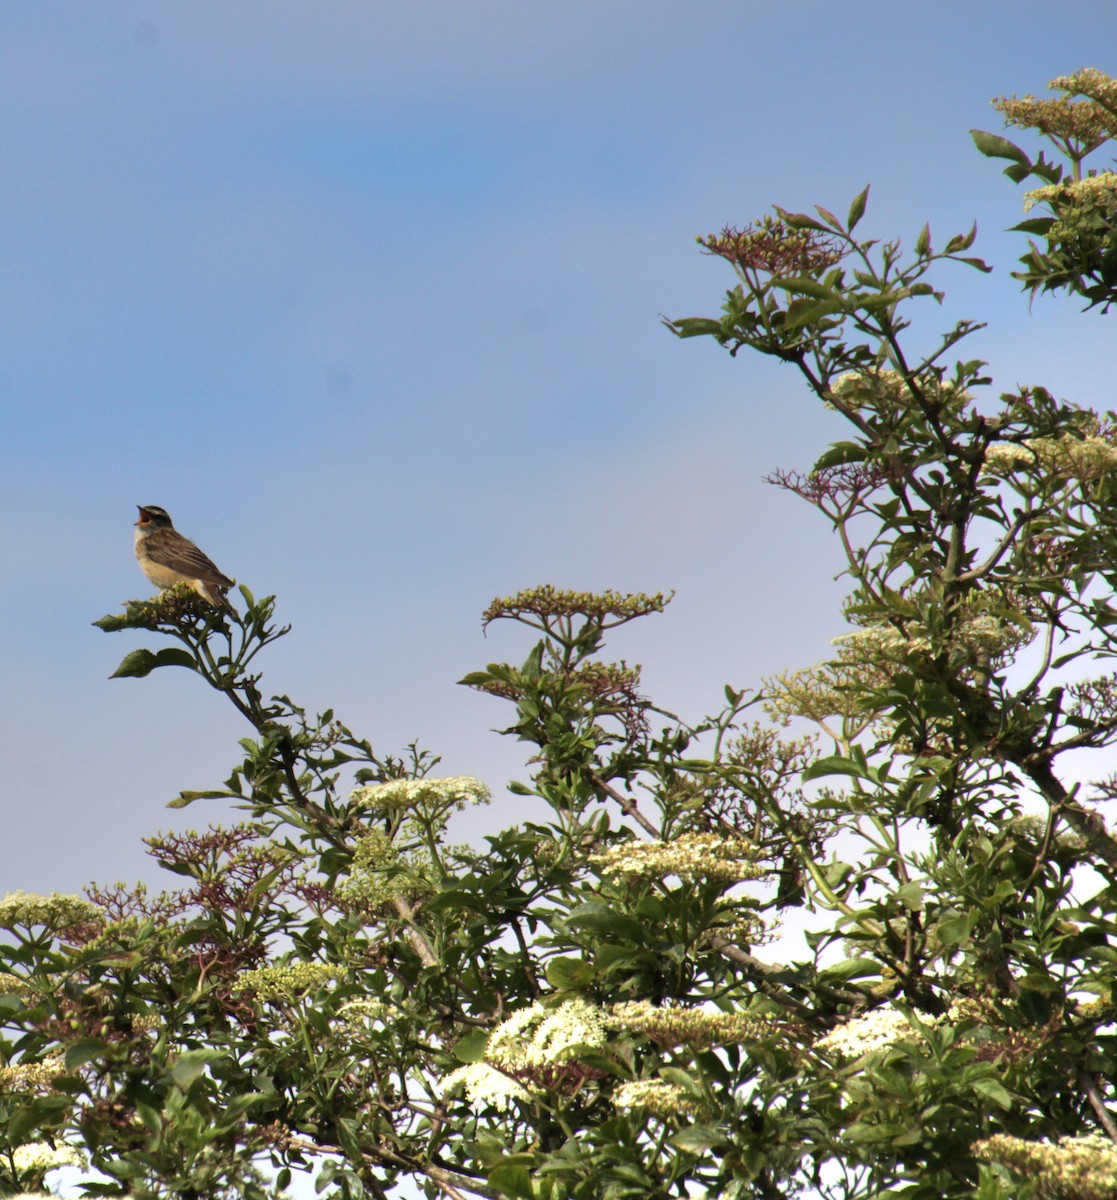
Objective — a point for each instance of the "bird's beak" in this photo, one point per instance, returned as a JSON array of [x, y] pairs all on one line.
[[144, 518]]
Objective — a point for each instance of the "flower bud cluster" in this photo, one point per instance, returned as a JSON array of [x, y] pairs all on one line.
[[56, 911], [1082, 1167], [285, 982], [670, 1025], [1066, 457], [657, 1097]]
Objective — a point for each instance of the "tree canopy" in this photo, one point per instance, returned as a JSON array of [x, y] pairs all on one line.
[[600, 1004]]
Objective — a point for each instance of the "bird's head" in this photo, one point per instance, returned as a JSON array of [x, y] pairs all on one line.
[[153, 517]]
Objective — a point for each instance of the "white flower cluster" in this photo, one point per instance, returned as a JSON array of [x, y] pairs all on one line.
[[37, 1157], [555, 1034], [56, 911], [530, 1040], [671, 1025], [32, 1076], [655, 1096], [878, 641], [452, 794], [361, 1014], [485, 1085], [1082, 1167], [695, 857], [876, 1030], [978, 634]]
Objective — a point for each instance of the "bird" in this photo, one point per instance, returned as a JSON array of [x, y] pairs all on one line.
[[167, 558]]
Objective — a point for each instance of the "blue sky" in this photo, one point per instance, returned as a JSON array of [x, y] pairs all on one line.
[[367, 295]]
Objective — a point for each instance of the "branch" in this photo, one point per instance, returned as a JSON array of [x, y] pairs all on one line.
[[448, 1181], [981, 571], [418, 938], [628, 805], [1089, 1084]]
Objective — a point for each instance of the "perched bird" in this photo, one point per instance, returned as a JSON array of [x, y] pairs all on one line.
[[167, 558]]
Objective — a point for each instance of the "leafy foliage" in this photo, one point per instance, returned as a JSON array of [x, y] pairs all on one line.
[[591, 1005]]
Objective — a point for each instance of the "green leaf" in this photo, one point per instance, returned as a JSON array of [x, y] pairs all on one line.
[[835, 764], [603, 918], [113, 622], [857, 209], [151, 1117], [142, 662], [852, 968], [839, 454], [828, 217], [1037, 225], [185, 798], [699, 1139], [953, 931], [911, 896], [803, 285], [689, 327], [189, 1065], [992, 1090], [510, 1179], [471, 1048], [992, 145], [81, 1052], [800, 221], [569, 974]]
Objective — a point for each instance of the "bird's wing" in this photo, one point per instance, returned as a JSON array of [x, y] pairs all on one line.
[[170, 549]]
